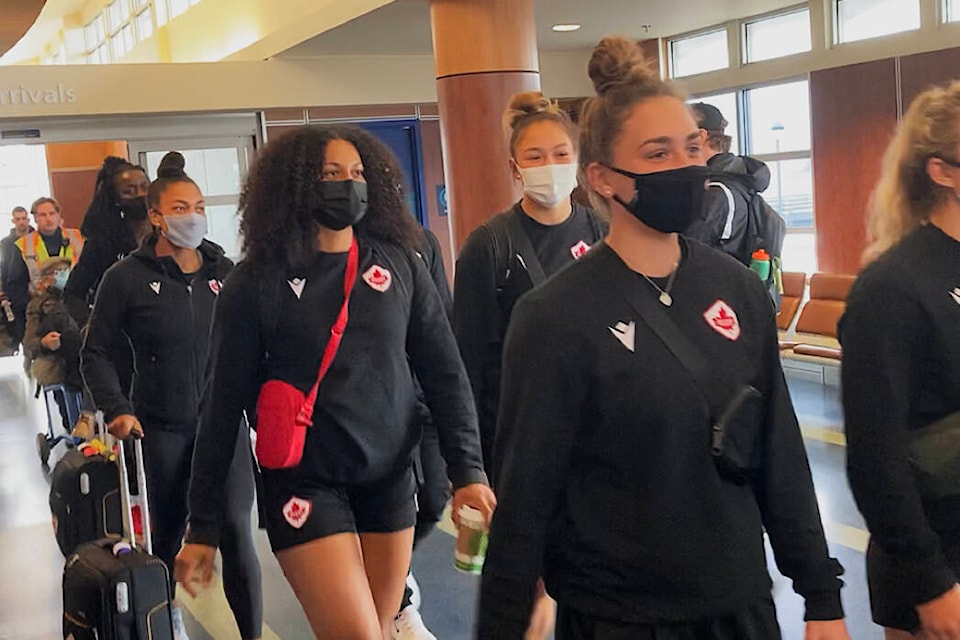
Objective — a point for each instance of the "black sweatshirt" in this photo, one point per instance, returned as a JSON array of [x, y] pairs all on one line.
[[607, 486], [901, 372], [364, 426], [487, 288], [166, 318]]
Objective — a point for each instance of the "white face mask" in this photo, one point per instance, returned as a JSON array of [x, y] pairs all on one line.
[[187, 230], [550, 184]]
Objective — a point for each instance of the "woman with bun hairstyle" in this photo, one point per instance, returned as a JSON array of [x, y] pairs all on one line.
[[518, 249], [331, 282], [901, 376], [644, 520], [161, 298]]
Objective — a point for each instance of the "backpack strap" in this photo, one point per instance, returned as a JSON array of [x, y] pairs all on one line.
[[526, 253], [732, 208]]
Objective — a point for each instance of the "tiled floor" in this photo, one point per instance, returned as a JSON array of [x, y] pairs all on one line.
[[30, 588]]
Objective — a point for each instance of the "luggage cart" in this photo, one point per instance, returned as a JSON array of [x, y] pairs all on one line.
[[74, 402]]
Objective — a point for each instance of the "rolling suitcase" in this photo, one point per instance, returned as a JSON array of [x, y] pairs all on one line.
[[85, 499], [113, 589]]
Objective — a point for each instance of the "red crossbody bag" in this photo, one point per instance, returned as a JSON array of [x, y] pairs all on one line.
[[283, 412]]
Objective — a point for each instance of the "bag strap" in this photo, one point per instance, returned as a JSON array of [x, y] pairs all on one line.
[[527, 254], [305, 417], [655, 316]]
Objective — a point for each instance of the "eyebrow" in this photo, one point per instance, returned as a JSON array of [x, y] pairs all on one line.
[[667, 139], [185, 203], [554, 147], [339, 166]]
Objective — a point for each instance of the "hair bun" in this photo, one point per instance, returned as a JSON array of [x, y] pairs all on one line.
[[172, 166], [526, 104], [618, 62]]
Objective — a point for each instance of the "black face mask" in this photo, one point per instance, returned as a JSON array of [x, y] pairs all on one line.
[[667, 201], [134, 209], [338, 204]]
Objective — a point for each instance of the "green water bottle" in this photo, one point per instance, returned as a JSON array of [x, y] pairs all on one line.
[[760, 263]]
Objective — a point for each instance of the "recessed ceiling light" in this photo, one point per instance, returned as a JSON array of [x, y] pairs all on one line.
[[566, 27]]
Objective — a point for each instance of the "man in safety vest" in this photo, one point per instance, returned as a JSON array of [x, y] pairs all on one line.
[[20, 271]]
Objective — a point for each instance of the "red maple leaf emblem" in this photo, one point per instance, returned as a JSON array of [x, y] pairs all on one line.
[[378, 277], [296, 511], [724, 320]]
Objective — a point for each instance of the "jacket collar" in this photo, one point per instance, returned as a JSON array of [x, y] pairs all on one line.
[[211, 252]]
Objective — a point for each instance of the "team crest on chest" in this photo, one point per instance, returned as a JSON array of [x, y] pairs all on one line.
[[723, 319], [297, 511], [378, 278], [215, 286], [579, 250]]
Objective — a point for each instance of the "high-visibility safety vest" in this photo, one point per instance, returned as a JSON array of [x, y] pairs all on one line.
[[34, 251]]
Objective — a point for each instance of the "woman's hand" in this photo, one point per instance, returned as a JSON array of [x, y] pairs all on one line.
[[940, 618], [124, 426], [544, 615], [51, 341], [193, 567], [826, 630], [477, 496]]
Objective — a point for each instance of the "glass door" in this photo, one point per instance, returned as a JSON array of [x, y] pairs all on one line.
[[218, 166]]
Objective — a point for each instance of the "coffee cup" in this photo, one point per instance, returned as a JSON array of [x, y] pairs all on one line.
[[471, 541]]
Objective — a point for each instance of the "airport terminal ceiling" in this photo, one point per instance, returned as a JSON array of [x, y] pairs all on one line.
[[403, 26], [18, 17]]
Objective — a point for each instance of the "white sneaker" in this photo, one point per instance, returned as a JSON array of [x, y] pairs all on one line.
[[179, 629], [415, 598], [409, 626]]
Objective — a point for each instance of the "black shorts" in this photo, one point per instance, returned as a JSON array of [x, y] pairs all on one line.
[[299, 511], [755, 622]]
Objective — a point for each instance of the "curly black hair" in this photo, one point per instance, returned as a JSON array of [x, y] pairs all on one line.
[[102, 219], [275, 220]]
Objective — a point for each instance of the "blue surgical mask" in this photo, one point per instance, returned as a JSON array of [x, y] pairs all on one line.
[[60, 280]]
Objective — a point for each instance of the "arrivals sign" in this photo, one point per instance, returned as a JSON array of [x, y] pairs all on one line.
[[21, 95]]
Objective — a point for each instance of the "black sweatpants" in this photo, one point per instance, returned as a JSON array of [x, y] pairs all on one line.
[[168, 456]]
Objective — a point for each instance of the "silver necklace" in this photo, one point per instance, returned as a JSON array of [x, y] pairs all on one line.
[[665, 298]]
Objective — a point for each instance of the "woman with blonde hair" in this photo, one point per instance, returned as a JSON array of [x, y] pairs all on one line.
[[637, 483], [901, 376]]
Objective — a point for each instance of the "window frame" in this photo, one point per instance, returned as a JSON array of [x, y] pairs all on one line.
[[671, 62], [745, 39]]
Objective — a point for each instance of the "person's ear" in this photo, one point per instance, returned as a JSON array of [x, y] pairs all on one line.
[[943, 174]]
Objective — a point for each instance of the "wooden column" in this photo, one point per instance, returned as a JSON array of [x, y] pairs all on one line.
[[485, 51]]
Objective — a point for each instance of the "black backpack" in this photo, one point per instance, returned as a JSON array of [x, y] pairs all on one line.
[[766, 230]]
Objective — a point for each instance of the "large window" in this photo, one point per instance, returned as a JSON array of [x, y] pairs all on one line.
[[777, 36], [779, 118], [951, 10], [863, 19], [23, 176], [699, 54]]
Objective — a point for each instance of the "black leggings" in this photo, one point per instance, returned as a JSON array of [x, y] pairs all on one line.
[[168, 455]]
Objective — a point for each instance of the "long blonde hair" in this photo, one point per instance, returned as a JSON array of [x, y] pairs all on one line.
[[905, 195]]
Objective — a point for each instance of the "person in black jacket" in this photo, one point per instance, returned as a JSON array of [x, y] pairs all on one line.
[[323, 202], [724, 224], [521, 247], [161, 300], [114, 225], [901, 373], [607, 485]]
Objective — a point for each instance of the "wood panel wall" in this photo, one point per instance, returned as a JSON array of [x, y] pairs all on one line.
[[73, 169], [853, 112]]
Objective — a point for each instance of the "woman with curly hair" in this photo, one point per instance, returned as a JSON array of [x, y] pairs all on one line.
[[328, 239], [114, 225]]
